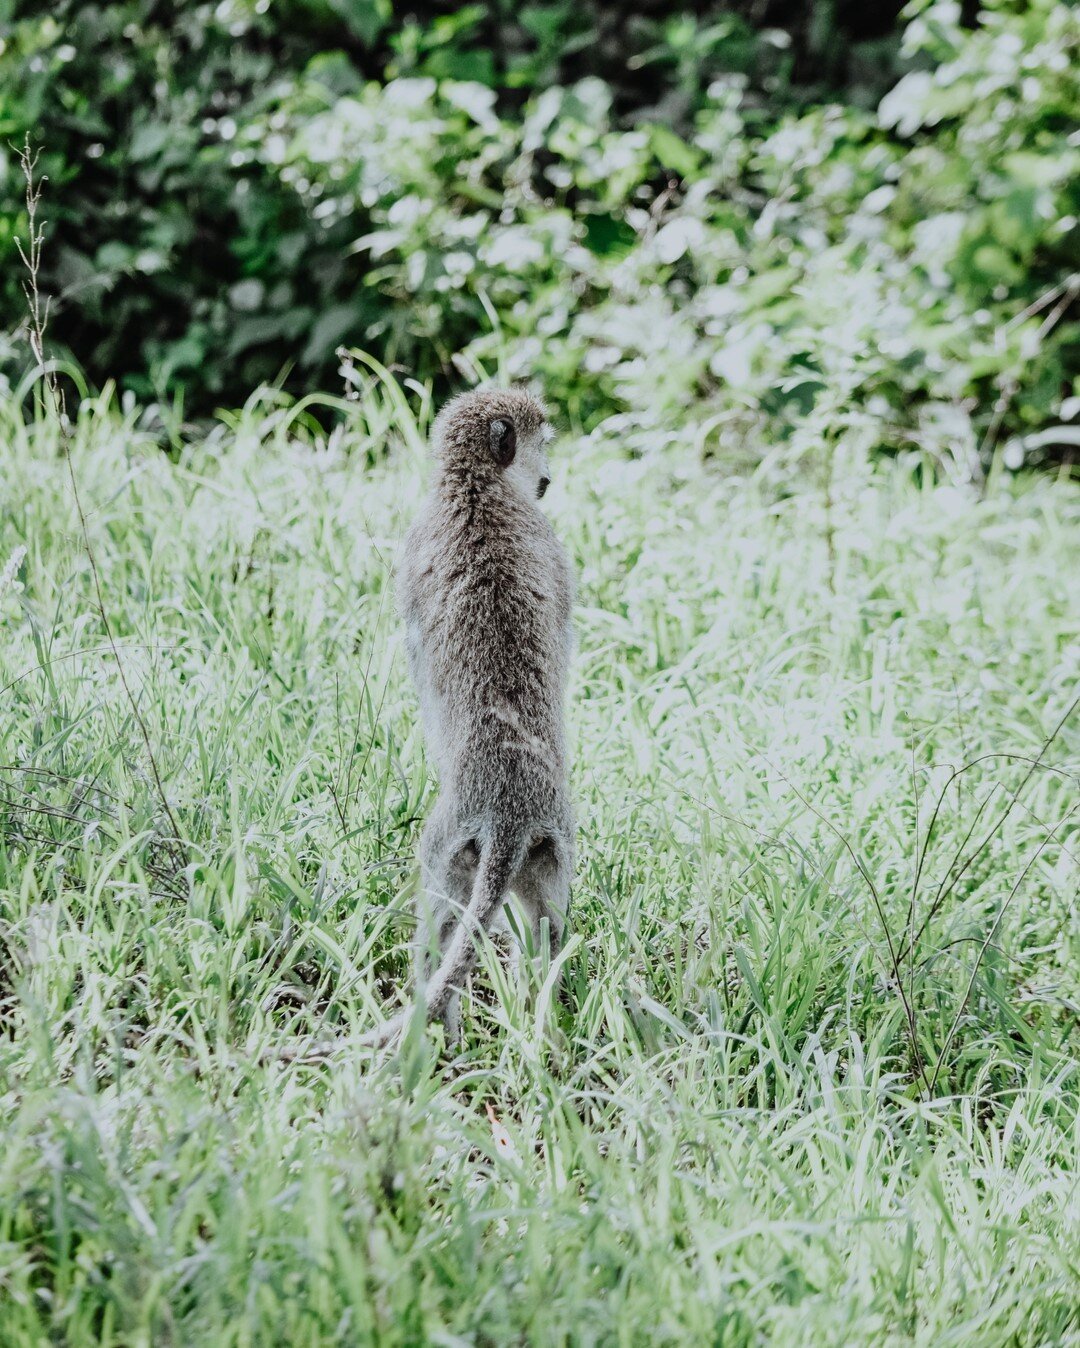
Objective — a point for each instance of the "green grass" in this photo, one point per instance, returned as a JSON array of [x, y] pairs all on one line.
[[734, 1125]]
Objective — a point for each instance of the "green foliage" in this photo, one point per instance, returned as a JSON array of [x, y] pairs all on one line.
[[719, 1131], [154, 221], [178, 257], [692, 239]]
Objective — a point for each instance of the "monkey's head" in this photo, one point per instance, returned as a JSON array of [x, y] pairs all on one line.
[[492, 433]]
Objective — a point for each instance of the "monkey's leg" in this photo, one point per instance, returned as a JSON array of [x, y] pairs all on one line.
[[448, 873], [543, 889]]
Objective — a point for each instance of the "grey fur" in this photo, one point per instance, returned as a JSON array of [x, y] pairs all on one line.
[[485, 589]]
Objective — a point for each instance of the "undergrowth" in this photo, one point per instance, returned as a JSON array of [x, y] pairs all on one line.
[[811, 1074]]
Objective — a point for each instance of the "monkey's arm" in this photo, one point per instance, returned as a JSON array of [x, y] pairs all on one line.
[[564, 599]]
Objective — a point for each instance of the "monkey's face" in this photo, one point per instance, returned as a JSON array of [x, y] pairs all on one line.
[[501, 429], [520, 447]]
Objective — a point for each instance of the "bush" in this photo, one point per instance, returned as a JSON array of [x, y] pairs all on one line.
[[909, 271], [178, 256], [714, 239]]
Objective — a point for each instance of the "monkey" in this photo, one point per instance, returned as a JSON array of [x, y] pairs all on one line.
[[485, 590]]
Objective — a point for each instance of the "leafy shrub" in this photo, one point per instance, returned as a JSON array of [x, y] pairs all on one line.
[[692, 261], [154, 222], [179, 258], [912, 268]]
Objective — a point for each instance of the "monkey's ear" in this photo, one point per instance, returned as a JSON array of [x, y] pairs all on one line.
[[503, 442]]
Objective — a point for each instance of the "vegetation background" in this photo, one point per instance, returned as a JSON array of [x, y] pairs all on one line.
[[802, 282], [786, 200]]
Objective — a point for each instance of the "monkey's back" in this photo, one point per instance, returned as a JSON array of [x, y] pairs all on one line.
[[485, 590]]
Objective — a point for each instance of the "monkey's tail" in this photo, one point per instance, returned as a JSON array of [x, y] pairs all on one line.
[[499, 862]]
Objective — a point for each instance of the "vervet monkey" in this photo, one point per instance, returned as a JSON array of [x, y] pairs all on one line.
[[485, 590]]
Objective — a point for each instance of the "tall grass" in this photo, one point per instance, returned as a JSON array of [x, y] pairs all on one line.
[[811, 1076]]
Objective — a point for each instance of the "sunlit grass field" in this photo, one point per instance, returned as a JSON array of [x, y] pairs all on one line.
[[810, 1075]]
